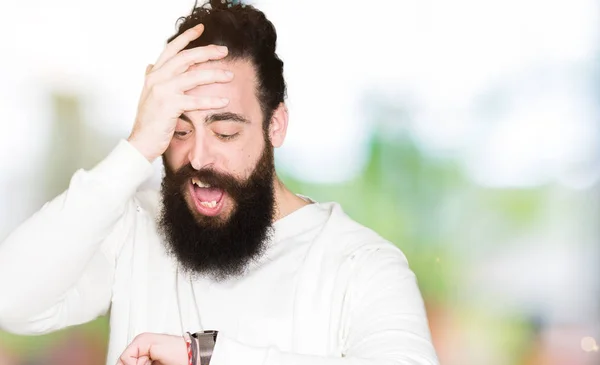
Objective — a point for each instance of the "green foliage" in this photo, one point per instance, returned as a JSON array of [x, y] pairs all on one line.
[[29, 346], [400, 195]]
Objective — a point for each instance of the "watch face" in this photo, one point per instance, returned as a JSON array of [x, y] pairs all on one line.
[[213, 333], [210, 333]]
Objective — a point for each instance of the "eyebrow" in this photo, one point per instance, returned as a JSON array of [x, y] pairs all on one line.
[[227, 116]]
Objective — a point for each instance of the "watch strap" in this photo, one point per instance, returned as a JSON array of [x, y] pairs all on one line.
[[206, 345]]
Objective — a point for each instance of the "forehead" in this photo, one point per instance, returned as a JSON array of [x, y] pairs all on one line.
[[241, 91]]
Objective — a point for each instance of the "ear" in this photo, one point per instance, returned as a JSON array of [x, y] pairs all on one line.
[[278, 125]]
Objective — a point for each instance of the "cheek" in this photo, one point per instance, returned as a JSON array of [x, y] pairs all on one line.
[[252, 154], [235, 161], [242, 159], [176, 154]]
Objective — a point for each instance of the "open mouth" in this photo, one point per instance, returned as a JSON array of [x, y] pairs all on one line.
[[207, 199]]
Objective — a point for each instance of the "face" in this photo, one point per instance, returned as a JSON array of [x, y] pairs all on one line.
[[218, 196], [229, 140]]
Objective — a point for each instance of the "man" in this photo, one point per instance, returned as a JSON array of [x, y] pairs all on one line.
[[224, 245]]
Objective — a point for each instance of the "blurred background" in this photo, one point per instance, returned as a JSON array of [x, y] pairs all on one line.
[[466, 132]]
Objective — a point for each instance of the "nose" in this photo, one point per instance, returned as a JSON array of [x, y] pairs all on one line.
[[200, 154]]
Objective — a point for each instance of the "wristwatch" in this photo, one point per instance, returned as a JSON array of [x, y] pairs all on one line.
[[206, 344]]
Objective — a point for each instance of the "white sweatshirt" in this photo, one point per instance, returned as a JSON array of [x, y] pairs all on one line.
[[328, 291]]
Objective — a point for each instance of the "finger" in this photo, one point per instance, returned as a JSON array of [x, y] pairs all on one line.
[[126, 359], [136, 350], [179, 43], [184, 59], [143, 360], [132, 356], [191, 103], [191, 79], [149, 68]]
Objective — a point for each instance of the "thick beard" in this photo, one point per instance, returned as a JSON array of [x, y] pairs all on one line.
[[219, 247]]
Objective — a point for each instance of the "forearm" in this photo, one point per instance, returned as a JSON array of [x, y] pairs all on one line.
[[385, 322], [48, 253], [230, 352]]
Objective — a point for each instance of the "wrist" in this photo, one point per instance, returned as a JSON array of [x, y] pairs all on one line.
[[191, 349], [142, 149]]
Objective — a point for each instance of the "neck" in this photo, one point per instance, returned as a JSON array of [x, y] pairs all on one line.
[[286, 202]]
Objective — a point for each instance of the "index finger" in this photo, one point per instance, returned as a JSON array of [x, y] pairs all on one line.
[[179, 43]]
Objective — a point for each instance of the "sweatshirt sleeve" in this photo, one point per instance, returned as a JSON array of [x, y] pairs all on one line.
[[386, 323], [57, 267]]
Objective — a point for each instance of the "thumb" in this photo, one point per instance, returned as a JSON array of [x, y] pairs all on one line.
[[149, 68]]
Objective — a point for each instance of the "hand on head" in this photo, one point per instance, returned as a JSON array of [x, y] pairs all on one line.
[[163, 98]]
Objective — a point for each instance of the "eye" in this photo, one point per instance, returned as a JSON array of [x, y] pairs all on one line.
[[226, 137], [181, 134]]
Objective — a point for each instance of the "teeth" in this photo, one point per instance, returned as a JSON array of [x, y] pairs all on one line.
[[211, 204], [199, 183]]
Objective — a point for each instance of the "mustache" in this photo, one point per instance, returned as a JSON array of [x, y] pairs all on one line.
[[208, 176], [239, 190]]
